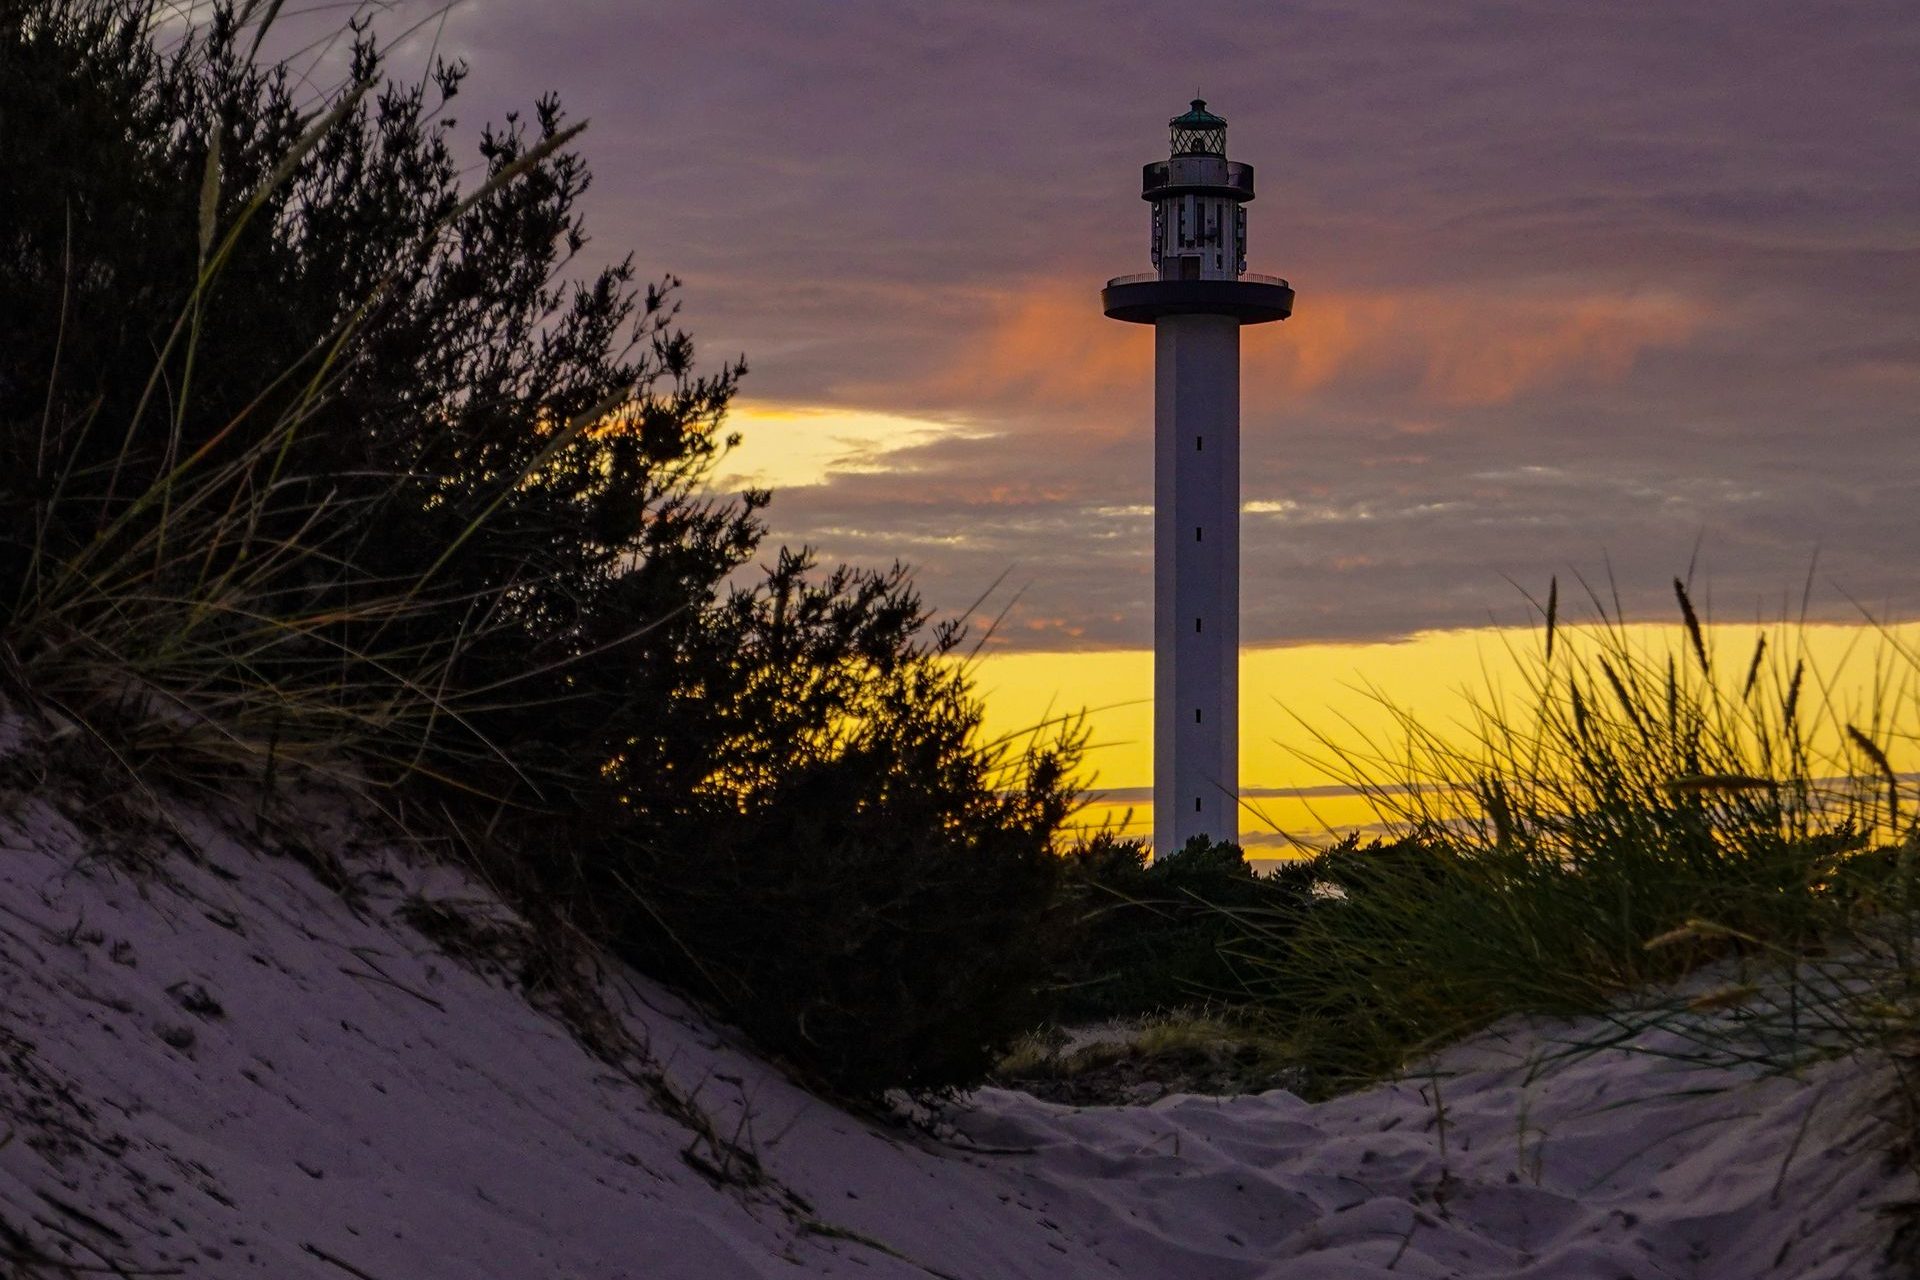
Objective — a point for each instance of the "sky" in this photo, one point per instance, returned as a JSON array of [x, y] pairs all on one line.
[[1582, 289]]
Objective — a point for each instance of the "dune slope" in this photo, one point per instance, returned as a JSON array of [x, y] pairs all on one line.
[[214, 1064]]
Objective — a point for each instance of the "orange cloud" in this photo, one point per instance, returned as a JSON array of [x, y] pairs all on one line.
[[1522, 345], [1342, 334], [1046, 343], [1454, 348]]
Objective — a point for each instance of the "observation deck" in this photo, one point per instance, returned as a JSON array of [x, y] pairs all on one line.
[[1142, 299]]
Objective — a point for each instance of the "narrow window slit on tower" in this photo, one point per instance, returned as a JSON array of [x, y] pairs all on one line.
[[1199, 443], [1196, 715], [1196, 804], [1196, 624], [1196, 533]]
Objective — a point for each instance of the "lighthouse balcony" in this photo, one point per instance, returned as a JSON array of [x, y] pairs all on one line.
[[1158, 180], [1142, 299], [1245, 277]]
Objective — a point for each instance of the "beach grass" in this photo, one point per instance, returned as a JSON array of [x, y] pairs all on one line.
[[1624, 821], [194, 601]]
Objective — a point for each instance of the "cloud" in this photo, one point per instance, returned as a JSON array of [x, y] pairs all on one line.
[[1575, 281], [797, 445], [1541, 344], [1437, 349], [1046, 346]]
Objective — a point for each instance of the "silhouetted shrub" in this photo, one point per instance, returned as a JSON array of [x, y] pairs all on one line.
[[1160, 935], [869, 892], [879, 915], [309, 455]]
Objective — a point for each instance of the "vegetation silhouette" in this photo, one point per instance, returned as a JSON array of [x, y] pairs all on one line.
[[312, 456]]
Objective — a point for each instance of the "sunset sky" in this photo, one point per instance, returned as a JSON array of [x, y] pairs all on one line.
[[1579, 285]]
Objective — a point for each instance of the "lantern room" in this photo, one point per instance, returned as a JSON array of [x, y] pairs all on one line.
[[1199, 227]]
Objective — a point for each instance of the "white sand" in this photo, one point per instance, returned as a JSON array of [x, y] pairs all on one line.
[[361, 1105]]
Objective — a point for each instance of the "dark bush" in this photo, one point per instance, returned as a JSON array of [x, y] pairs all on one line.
[[313, 446], [1161, 935], [881, 914], [867, 890]]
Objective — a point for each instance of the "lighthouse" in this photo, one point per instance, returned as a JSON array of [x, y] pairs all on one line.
[[1196, 299]]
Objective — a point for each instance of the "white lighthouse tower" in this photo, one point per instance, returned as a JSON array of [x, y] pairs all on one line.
[[1196, 302]]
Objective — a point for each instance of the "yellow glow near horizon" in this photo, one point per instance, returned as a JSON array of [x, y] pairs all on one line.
[[786, 446], [1348, 693], [1290, 697]]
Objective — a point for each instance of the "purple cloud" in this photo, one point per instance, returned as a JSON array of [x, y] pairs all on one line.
[[1573, 280]]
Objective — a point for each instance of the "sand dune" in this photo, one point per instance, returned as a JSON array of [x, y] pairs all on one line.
[[224, 1068]]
